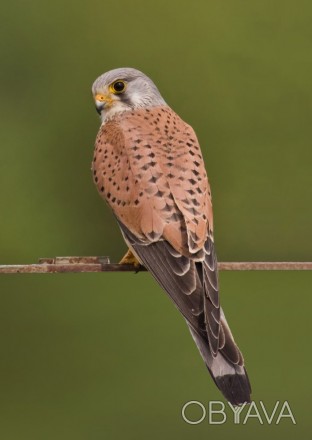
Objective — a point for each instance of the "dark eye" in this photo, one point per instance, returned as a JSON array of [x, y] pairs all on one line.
[[119, 86]]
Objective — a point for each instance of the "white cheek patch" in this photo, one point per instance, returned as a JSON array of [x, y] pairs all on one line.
[[117, 107], [136, 99]]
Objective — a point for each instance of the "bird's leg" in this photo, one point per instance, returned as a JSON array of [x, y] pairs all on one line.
[[129, 258]]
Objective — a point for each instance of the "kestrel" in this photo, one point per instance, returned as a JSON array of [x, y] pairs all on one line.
[[149, 168]]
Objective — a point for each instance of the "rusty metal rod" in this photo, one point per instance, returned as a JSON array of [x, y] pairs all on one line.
[[103, 264]]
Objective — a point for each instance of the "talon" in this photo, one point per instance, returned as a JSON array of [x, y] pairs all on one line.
[[129, 258]]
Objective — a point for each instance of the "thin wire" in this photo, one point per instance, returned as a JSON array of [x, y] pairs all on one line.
[[102, 264]]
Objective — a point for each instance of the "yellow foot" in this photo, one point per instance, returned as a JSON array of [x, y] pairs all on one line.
[[129, 258]]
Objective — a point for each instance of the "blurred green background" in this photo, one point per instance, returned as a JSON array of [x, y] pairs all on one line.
[[106, 356]]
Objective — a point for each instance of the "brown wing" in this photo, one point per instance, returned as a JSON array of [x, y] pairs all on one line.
[[149, 167]]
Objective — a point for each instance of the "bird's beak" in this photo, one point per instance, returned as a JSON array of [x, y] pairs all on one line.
[[101, 101]]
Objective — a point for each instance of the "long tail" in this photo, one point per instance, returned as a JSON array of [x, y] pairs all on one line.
[[193, 287], [231, 378]]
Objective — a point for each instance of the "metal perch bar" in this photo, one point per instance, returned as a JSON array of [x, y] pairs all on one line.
[[103, 264]]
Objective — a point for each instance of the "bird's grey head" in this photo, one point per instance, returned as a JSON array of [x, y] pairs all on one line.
[[124, 89]]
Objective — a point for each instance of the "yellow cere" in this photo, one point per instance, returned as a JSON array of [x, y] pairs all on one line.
[[103, 98]]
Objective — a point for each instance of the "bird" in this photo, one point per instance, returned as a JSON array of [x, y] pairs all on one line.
[[149, 168]]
